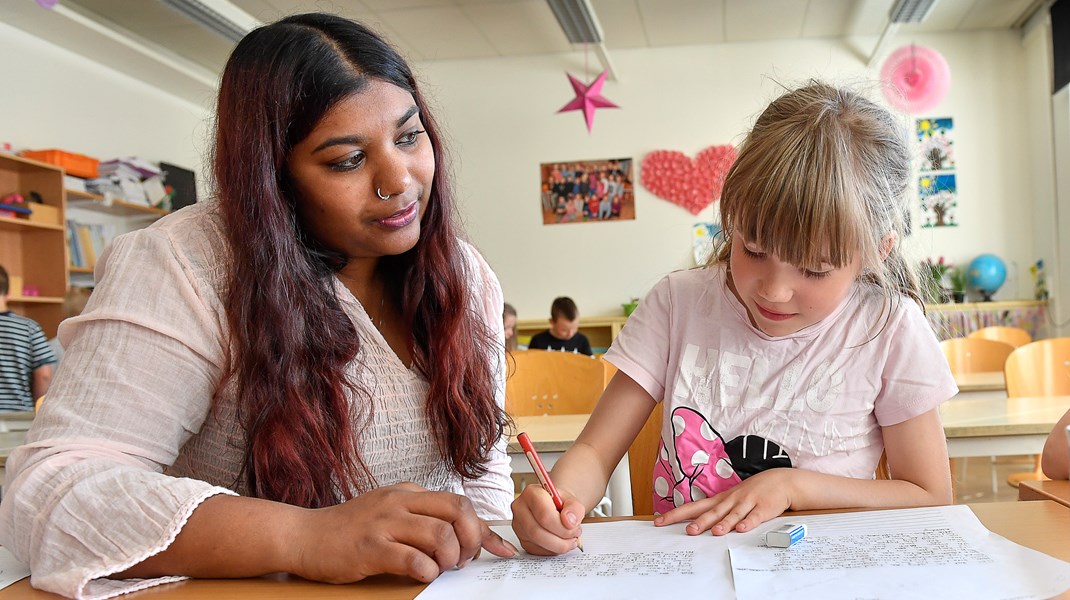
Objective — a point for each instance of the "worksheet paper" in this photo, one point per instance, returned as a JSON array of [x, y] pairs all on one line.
[[11, 570], [623, 559], [938, 552]]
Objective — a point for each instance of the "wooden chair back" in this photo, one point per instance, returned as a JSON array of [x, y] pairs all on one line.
[[1015, 336], [975, 355], [541, 382], [1041, 368], [641, 457]]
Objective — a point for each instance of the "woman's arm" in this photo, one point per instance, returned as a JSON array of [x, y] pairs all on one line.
[[581, 475], [401, 529], [917, 458], [1056, 458]]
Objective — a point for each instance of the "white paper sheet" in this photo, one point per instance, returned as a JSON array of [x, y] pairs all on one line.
[[11, 570], [623, 559], [939, 552]]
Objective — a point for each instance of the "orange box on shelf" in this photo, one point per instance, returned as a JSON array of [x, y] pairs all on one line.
[[78, 165]]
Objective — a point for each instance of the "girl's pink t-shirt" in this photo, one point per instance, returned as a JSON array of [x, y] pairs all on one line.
[[817, 397]]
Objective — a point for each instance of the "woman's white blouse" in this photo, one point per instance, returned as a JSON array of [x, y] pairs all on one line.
[[126, 445]]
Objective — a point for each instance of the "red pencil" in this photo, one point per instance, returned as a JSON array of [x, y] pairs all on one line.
[[544, 477]]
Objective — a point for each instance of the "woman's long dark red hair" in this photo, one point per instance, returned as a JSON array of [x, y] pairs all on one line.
[[291, 342]]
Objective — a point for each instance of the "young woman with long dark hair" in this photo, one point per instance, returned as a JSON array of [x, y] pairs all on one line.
[[302, 375]]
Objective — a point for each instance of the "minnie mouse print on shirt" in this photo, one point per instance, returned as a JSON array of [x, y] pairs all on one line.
[[701, 464]]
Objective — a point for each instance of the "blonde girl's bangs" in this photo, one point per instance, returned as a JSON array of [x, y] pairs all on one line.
[[791, 193]]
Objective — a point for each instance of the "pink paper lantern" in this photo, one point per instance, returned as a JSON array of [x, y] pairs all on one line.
[[918, 78]]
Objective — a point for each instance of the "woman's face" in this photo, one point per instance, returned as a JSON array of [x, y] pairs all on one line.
[[372, 140]]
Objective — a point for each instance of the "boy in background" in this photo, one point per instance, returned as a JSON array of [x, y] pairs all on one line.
[[25, 357], [564, 333]]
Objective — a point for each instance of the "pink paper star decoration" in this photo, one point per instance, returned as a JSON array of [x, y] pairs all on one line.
[[588, 98]]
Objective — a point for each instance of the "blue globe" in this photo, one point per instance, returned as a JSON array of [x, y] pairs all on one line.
[[986, 273]]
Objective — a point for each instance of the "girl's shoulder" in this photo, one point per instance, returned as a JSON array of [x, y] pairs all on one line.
[[885, 314]]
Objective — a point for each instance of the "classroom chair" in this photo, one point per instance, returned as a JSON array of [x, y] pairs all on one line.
[[975, 355], [1041, 368], [1015, 336], [641, 456], [542, 382]]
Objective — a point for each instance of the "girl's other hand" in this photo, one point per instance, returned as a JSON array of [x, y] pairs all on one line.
[[757, 499], [541, 528], [401, 529]]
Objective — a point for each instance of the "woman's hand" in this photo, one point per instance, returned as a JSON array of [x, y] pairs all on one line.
[[757, 499], [401, 529], [541, 528]]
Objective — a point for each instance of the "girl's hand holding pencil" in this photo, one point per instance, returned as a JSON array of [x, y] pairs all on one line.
[[546, 520]]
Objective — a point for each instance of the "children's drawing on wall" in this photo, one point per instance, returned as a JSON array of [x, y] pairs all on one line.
[[937, 148], [939, 199], [588, 190], [704, 239]]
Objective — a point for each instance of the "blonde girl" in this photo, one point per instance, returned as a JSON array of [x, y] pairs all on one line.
[[787, 365]]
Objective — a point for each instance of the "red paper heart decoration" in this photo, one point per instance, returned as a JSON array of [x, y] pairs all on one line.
[[692, 184]]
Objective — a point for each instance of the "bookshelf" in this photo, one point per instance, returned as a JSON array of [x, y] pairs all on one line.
[[118, 208], [601, 331], [35, 252], [97, 220]]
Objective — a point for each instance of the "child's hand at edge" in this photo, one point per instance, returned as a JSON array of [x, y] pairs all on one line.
[[543, 530], [757, 499]]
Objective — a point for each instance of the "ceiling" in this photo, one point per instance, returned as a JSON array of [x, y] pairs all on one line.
[[150, 41]]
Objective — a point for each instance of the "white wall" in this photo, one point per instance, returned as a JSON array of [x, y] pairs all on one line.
[[53, 98], [500, 116], [1036, 41]]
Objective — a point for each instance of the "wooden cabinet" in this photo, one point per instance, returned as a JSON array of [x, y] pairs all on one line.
[[35, 252]]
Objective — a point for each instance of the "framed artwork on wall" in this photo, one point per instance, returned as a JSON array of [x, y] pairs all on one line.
[[587, 191], [937, 187]]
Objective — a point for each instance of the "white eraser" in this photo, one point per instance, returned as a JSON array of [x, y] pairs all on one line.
[[785, 535]]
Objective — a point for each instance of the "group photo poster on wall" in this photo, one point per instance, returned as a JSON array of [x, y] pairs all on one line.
[[587, 190]]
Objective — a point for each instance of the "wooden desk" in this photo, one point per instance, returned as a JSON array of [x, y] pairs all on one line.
[[1041, 525], [1000, 426], [555, 434], [1057, 491]]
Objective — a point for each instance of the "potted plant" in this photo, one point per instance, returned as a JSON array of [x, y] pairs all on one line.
[[958, 279], [630, 306], [932, 286]]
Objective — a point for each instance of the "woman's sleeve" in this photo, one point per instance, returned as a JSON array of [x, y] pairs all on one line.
[[86, 496], [492, 494]]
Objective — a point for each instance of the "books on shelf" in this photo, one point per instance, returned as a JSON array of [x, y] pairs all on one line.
[[86, 242]]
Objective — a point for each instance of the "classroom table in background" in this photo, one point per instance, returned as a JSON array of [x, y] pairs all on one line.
[[16, 421], [1000, 426], [552, 435], [1043, 526], [9, 440], [1056, 491]]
